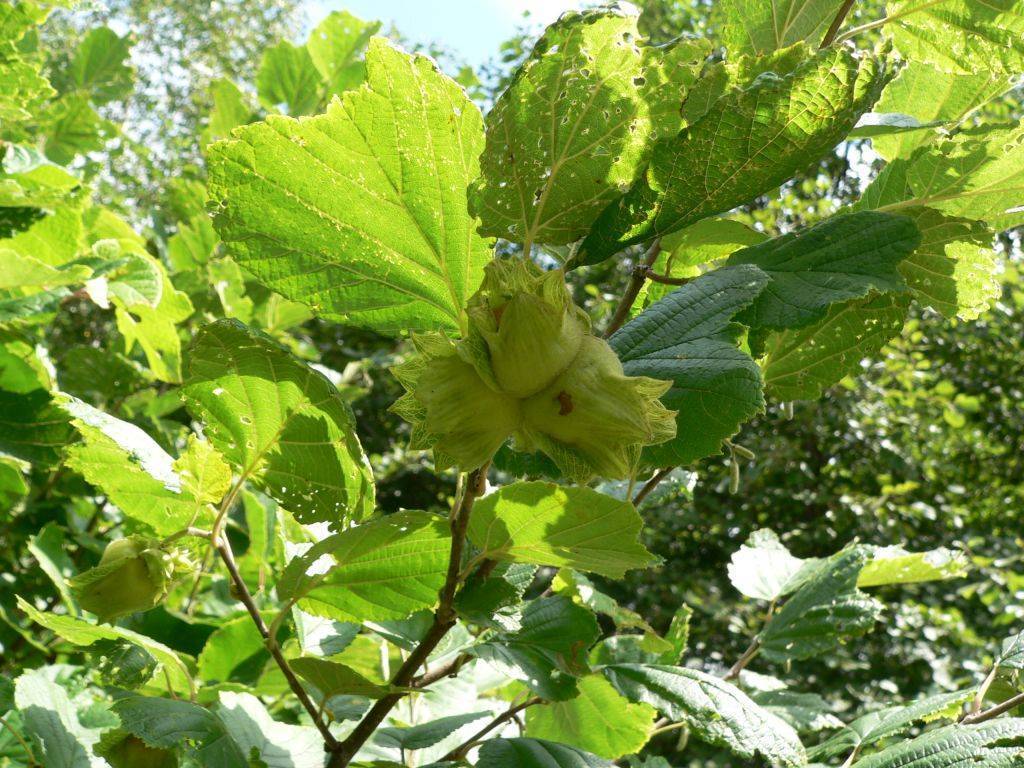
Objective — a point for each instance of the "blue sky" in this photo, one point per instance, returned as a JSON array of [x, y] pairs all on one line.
[[472, 29]]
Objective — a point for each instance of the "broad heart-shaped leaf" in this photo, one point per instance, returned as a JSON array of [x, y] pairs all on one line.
[[689, 338], [548, 524], [930, 95], [824, 611], [763, 26], [976, 175], [891, 721], [136, 474], [332, 678], [575, 125], [895, 565], [960, 35], [49, 716], [535, 753], [32, 427], [716, 711], [954, 268], [288, 81], [384, 569], [1012, 652], [995, 744], [549, 649], [750, 141], [425, 735], [281, 424], [800, 364], [598, 720], [272, 743], [99, 66], [361, 212], [336, 47], [172, 723], [764, 569], [841, 258], [81, 632]]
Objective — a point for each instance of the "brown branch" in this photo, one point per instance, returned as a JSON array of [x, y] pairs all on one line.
[[998, 709], [636, 282], [460, 751], [651, 484], [242, 591], [654, 277], [742, 661], [444, 620], [837, 22]]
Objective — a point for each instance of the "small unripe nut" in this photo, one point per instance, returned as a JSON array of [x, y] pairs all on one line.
[[133, 574]]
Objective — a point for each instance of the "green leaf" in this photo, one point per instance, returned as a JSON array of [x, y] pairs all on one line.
[[548, 651], [954, 269], [19, 271], [231, 108], [598, 720], [334, 679], [827, 609], [800, 364], [74, 128], [425, 735], [962, 36], [49, 547], [1012, 652], [689, 338], [170, 723], [131, 469], [123, 664], [81, 632], [841, 258], [764, 569], [891, 721], [547, 524], [535, 753], [678, 635], [806, 712], [360, 213], [759, 27], [996, 744], [336, 47], [258, 735], [895, 565], [287, 80], [750, 141], [27, 178], [932, 96], [715, 711], [32, 427], [49, 716], [22, 367], [385, 569], [231, 645], [193, 245], [280, 423], [975, 175], [100, 66], [576, 123]]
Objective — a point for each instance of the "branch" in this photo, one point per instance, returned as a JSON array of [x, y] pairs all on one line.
[[640, 273], [998, 709], [444, 620], [460, 751], [654, 277], [837, 22], [651, 484], [242, 591], [742, 661]]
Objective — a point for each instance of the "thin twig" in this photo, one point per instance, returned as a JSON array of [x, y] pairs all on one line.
[[979, 697], [742, 661], [224, 549], [636, 282], [654, 277], [24, 744], [837, 22], [998, 709], [651, 484], [460, 751], [444, 620]]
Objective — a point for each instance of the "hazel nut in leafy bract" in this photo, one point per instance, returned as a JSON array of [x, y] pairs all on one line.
[[133, 574], [529, 368]]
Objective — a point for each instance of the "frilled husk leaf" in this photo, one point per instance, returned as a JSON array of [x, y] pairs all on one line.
[[595, 420], [451, 409]]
